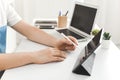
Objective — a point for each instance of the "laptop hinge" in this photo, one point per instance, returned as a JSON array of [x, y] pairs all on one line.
[[79, 32]]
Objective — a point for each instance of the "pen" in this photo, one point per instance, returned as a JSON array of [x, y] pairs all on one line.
[[66, 13], [59, 13], [69, 39]]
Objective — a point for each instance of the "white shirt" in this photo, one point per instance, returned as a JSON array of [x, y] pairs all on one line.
[[8, 16]]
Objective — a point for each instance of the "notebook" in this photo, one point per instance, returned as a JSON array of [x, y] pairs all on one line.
[[82, 21]]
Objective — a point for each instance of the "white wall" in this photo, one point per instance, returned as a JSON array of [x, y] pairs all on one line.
[[31, 9], [113, 19]]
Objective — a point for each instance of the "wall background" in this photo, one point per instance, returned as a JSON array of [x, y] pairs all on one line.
[[32, 9]]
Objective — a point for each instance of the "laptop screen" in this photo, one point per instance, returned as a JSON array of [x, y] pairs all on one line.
[[83, 18]]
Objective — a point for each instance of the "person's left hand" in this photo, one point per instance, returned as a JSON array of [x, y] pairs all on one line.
[[64, 44]]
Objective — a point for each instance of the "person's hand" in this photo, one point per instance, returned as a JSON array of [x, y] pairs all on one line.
[[48, 55], [64, 44]]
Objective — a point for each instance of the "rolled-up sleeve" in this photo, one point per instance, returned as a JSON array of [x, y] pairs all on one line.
[[12, 16]]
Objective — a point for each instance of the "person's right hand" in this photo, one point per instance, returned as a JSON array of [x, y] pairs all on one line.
[[48, 55]]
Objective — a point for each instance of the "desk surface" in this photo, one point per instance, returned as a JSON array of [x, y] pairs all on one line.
[[106, 65], [50, 71]]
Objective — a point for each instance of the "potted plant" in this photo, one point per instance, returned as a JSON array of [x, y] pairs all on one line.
[[106, 40], [106, 36], [95, 31]]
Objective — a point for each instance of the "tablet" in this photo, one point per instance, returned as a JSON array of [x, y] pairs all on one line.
[[86, 58]]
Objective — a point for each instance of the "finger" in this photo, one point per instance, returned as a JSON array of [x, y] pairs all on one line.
[[56, 59], [73, 40], [59, 53], [66, 41], [70, 48], [62, 55]]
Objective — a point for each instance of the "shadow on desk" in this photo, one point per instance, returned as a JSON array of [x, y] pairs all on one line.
[[1, 73]]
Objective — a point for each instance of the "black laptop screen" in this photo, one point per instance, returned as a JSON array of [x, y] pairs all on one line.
[[83, 18]]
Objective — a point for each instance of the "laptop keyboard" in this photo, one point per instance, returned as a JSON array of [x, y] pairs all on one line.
[[70, 33]]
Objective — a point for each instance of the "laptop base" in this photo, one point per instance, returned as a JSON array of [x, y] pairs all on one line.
[[68, 32]]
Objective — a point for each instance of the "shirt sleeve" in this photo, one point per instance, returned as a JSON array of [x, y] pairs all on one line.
[[12, 16]]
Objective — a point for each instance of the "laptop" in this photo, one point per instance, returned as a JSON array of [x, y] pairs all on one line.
[[82, 20], [87, 55]]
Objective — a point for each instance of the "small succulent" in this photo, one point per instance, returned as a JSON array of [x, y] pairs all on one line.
[[106, 36], [95, 31]]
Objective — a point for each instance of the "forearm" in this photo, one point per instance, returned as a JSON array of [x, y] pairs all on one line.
[[35, 34], [47, 55], [42, 37], [14, 60]]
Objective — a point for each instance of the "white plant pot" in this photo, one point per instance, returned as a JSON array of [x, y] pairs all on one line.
[[105, 44]]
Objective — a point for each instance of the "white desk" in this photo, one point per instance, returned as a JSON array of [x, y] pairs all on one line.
[[106, 66], [50, 71]]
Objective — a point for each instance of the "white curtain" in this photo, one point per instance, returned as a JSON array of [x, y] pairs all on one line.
[[109, 17]]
